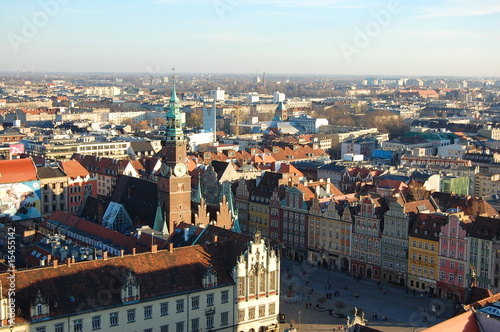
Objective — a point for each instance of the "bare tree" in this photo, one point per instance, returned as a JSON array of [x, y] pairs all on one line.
[[339, 305]]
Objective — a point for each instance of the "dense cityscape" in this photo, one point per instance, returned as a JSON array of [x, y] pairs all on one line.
[[249, 166]]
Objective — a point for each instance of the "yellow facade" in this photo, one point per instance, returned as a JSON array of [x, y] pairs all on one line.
[[422, 264]]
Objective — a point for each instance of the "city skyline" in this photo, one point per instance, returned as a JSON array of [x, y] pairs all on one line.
[[320, 37]]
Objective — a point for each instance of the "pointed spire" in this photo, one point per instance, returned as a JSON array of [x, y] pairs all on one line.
[[174, 98], [158, 224], [199, 195]]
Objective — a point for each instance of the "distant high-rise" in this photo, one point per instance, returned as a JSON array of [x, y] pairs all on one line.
[[210, 118], [217, 95], [278, 97]]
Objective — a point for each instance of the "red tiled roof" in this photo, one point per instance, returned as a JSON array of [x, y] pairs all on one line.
[[17, 170], [465, 322], [74, 169], [74, 288]]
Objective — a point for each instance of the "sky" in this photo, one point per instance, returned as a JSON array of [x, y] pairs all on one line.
[[320, 37]]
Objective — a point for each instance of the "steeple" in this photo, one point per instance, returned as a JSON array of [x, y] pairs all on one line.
[[174, 118], [280, 112], [199, 195]]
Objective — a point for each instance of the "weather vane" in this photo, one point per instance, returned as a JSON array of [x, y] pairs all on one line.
[[174, 76]]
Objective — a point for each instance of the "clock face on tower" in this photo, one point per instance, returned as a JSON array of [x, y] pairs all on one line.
[[180, 169]]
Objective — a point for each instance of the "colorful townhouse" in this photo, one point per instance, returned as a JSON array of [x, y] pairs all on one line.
[[367, 237], [423, 251], [330, 232], [397, 221], [480, 236], [453, 258]]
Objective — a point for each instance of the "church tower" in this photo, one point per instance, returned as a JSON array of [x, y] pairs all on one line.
[[174, 182]]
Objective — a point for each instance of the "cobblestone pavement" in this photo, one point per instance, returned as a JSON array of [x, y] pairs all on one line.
[[404, 311]]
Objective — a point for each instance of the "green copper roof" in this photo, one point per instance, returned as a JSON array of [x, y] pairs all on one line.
[[281, 106]]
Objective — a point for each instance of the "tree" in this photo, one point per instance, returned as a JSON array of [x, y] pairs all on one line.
[[159, 121], [417, 191], [339, 305], [193, 120]]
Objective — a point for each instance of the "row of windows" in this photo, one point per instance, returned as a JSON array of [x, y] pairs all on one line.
[[78, 325], [451, 277], [427, 272], [425, 245], [242, 313]]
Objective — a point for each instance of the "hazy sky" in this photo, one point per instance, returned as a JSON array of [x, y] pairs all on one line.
[[371, 37]]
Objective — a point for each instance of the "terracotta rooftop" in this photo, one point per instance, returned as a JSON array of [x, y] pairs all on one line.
[[75, 288], [17, 170]]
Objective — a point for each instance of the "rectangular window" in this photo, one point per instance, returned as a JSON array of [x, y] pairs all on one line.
[[210, 299], [195, 302], [131, 316], [241, 286], [164, 328], [210, 322], [262, 310], [451, 277], [251, 313], [195, 324], [40, 329], [113, 319], [241, 315], [78, 325], [96, 322], [272, 280], [224, 296], [59, 327], [224, 318], [272, 308], [179, 327], [148, 312], [180, 305], [148, 330], [164, 309]]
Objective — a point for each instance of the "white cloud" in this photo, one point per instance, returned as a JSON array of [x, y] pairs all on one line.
[[461, 8]]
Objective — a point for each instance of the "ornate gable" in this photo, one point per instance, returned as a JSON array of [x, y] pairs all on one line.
[[131, 289]]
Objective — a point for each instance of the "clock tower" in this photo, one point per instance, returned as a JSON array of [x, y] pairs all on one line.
[[174, 182]]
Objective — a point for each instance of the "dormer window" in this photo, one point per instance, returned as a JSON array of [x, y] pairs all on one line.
[[210, 277], [40, 307], [131, 289]]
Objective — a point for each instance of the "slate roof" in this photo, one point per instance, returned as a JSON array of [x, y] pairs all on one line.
[[139, 197], [484, 228], [428, 225], [332, 168], [75, 288], [50, 172], [267, 184]]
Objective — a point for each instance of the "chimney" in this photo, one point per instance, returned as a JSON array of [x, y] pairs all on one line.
[[134, 251], [171, 247], [105, 255], [54, 263], [49, 258], [68, 261], [122, 253], [154, 248], [214, 238]]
